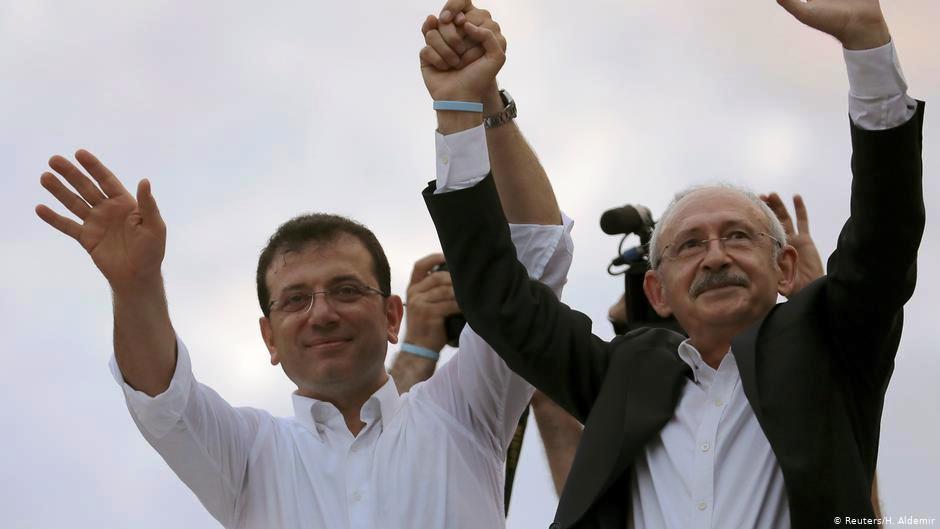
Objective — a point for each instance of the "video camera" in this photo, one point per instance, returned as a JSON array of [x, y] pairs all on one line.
[[634, 220]]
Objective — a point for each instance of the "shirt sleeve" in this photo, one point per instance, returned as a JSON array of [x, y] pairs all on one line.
[[203, 439], [878, 97], [462, 159], [476, 385]]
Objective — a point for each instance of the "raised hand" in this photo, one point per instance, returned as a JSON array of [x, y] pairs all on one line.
[[430, 300], [809, 265], [857, 24], [126, 238], [461, 57]]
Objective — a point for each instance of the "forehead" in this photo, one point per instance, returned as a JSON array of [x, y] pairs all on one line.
[[713, 208], [316, 264]]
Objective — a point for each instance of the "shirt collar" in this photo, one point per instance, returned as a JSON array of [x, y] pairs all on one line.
[[702, 372], [318, 415]]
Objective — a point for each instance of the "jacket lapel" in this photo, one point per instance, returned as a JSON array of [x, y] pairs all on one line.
[[637, 399]]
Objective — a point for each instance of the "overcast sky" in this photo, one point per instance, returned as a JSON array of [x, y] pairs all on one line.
[[244, 115]]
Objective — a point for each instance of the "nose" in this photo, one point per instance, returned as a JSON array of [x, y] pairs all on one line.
[[320, 313], [716, 256]]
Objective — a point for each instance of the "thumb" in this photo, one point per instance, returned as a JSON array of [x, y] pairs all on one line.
[[146, 203], [487, 38]]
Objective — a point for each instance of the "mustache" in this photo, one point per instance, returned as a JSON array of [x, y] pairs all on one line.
[[716, 280]]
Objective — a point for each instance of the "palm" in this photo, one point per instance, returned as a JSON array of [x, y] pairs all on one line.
[[120, 245], [809, 265], [126, 238]]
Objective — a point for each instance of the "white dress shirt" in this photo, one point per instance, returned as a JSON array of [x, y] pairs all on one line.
[[431, 458], [711, 466]]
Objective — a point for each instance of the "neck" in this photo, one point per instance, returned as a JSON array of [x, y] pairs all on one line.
[[348, 401], [712, 350]]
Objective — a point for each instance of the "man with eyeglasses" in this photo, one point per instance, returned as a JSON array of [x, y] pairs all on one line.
[[356, 454], [783, 432]]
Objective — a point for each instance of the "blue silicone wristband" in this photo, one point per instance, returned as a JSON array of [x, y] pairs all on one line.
[[459, 106], [417, 350]]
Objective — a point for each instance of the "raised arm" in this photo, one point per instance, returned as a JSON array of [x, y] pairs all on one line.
[[125, 238], [523, 186], [872, 272]]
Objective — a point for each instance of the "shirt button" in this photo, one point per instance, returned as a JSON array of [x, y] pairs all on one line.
[[719, 402], [701, 505], [445, 159], [356, 496], [705, 446]]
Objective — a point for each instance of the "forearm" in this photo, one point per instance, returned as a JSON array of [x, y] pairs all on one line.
[[560, 433], [523, 186], [409, 369], [144, 340]]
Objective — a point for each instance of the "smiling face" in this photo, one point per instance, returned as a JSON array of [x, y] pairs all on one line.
[[333, 348], [724, 289]]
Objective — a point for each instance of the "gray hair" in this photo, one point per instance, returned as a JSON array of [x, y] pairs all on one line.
[[776, 228]]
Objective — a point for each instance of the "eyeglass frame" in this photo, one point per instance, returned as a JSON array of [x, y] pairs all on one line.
[[705, 243], [328, 293]]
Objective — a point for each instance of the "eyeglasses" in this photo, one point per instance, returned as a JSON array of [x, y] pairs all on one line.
[[737, 240], [337, 296]]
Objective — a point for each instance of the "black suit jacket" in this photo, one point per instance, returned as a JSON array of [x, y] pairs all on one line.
[[814, 370]]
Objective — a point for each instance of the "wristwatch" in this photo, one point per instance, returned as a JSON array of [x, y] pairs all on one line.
[[507, 115]]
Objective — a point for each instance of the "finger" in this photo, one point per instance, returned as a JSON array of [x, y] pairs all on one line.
[[73, 175], [452, 7], [447, 308], [493, 26], [430, 57], [429, 24], [487, 38], [436, 42], [453, 37], [105, 178], [147, 204], [802, 218], [430, 282], [70, 200], [776, 205], [424, 265], [471, 55], [478, 16], [437, 295], [63, 224]]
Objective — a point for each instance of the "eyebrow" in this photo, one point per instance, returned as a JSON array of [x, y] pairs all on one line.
[[725, 225]]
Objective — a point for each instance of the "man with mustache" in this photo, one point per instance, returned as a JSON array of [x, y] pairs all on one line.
[[783, 431]]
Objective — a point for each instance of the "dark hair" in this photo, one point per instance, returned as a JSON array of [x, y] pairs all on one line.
[[319, 228]]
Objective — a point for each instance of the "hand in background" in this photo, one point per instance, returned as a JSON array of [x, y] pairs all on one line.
[[857, 24], [809, 265], [430, 300], [126, 238]]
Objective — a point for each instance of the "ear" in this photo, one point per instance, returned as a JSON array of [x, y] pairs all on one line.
[[394, 310], [787, 265], [656, 293], [267, 333]]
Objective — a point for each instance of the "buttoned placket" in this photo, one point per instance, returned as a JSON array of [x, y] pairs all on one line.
[[359, 468], [717, 387]]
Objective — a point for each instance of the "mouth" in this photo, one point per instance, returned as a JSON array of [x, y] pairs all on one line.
[[327, 343]]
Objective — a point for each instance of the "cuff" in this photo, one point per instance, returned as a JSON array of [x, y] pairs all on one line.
[[537, 244], [158, 415], [877, 88], [462, 159]]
